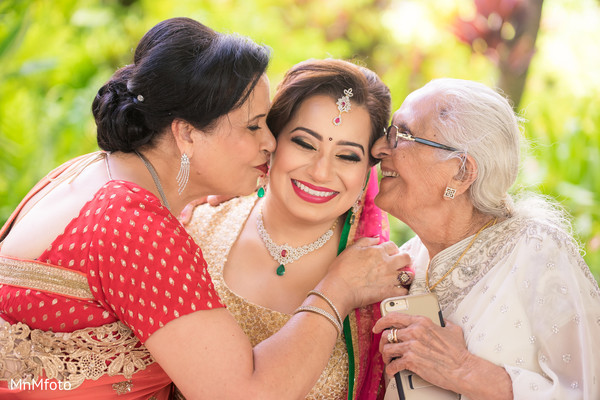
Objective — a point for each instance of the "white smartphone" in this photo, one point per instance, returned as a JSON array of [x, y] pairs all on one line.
[[421, 304], [407, 385]]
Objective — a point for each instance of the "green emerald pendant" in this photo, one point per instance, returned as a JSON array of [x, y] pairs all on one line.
[[281, 270], [261, 193]]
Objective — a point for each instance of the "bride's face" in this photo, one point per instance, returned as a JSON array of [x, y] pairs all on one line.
[[319, 169]]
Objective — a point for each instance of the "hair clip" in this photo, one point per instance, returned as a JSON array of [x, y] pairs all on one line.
[[343, 105]]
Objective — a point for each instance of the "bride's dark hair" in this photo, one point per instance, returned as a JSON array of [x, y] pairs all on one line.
[[331, 77]]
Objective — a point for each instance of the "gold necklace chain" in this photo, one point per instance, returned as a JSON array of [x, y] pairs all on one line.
[[154, 178], [492, 222]]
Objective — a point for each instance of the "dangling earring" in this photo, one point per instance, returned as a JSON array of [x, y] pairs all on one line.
[[356, 208], [184, 173], [262, 186], [449, 193]]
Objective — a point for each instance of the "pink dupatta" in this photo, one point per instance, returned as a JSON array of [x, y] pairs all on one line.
[[365, 362]]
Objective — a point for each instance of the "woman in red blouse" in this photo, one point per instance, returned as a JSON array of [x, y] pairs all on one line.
[[96, 253]]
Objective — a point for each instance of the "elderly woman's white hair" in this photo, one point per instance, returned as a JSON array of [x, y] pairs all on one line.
[[478, 120]]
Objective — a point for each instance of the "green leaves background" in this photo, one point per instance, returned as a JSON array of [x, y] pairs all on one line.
[[55, 54]]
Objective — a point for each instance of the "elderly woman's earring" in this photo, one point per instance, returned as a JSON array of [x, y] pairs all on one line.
[[449, 193], [184, 173]]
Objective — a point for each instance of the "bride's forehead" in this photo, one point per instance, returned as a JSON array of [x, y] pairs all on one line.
[[319, 112]]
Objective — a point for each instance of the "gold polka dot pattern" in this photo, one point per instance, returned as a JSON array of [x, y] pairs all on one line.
[[142, 268]]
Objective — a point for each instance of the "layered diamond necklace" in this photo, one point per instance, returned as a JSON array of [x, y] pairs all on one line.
[[285, 254]]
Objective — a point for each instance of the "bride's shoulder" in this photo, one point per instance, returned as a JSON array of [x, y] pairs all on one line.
[[208, 218]]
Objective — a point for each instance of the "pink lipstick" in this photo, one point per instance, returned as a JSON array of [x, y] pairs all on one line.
[[312, 193]]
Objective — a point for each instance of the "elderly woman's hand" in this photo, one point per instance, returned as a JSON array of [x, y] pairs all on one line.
[[440, 356], [436, 354]]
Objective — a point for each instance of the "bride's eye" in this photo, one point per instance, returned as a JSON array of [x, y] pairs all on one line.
[[350, 157], [300, 142]]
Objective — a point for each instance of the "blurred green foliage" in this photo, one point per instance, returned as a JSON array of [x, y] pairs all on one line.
[[55, 54]]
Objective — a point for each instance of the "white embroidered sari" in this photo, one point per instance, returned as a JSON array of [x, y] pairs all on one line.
[[526, 301]]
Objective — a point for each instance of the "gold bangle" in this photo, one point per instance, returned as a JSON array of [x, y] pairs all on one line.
[[323, 313], [335, 310]]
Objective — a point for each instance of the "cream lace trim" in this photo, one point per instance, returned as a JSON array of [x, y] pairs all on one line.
[[73, 357]]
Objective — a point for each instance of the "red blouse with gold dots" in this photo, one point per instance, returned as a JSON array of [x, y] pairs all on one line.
[[142, 268]]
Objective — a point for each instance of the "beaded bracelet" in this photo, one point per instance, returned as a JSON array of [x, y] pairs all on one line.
[[335, 310], [317, 310]]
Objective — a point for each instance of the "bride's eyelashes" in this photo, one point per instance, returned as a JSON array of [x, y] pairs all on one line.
[[352, 157]]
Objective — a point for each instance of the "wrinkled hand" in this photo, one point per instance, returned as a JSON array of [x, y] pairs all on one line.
[[186, 214], [367, 272], [438, 355]]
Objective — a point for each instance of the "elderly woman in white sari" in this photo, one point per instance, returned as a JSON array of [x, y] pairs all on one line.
[[521, 306]]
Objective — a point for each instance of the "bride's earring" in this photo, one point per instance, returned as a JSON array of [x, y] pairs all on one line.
[[355, 209], [262, 186]]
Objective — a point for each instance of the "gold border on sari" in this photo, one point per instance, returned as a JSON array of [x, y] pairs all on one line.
[[44, 277]]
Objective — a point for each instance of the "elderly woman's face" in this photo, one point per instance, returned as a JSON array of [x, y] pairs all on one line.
[[414, 175]]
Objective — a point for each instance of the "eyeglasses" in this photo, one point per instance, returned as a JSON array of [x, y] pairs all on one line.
[[393, 133]]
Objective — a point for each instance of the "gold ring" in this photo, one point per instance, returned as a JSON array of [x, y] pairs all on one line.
[[392, 336], [403, 278]]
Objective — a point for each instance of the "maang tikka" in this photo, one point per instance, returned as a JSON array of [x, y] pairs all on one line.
[[343, 105], [184, 173]]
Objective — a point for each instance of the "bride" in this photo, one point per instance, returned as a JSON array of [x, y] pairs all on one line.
[[265, 254]]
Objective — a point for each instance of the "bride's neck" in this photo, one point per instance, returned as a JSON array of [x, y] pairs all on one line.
[[284, 227]]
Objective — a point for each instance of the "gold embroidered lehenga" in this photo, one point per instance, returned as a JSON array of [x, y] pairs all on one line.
[[355, 367]]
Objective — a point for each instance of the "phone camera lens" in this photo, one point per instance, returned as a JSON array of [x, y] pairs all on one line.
[[392, 304]]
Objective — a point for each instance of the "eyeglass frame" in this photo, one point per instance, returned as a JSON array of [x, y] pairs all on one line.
[[410, 137]]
